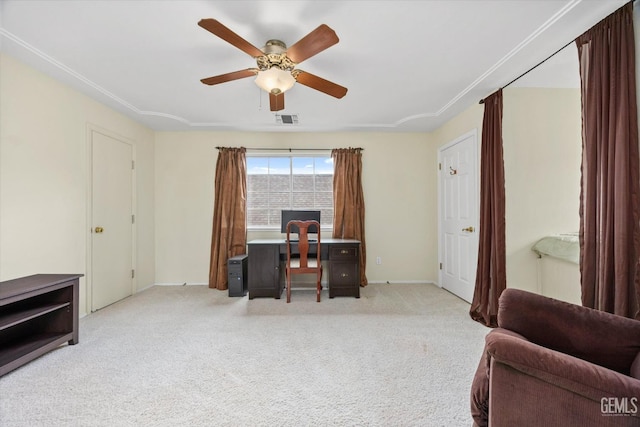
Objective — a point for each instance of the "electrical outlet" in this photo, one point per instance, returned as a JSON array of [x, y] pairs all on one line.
[[378, 260]]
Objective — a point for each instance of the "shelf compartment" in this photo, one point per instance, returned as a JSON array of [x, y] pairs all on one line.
[[15, 318], [19, 352]]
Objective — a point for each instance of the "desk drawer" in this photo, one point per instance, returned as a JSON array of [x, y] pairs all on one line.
[[343, 274], [343, 252]]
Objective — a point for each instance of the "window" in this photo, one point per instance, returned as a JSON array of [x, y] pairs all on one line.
[[288, 182]]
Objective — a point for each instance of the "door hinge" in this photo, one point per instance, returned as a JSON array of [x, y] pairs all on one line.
[[133, 219], [133, 274], [440, 166], [440, 266], [133, 164]]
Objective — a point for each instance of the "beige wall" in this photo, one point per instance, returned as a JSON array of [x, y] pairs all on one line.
[[44, 178], [542, 155], [398, 180]]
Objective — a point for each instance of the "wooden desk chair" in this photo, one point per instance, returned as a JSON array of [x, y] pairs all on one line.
[[303, 264]]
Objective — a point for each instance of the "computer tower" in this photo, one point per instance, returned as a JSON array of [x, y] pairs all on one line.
[[237, 274]]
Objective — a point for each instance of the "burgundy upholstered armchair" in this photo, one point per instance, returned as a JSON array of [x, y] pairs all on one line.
[[551, 363]]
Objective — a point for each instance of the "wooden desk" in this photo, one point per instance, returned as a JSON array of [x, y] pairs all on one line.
[[266, 266]]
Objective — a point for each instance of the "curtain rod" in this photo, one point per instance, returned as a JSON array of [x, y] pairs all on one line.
[[533, 68], [291, 149], [544, 60]]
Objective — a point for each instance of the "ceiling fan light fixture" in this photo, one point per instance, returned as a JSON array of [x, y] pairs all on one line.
[[274, 80]]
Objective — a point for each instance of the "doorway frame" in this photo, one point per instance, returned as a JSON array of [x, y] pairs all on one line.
[[90, 130], [474, 134]]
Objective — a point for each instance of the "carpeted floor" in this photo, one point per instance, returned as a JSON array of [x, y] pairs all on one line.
[[401, 355]]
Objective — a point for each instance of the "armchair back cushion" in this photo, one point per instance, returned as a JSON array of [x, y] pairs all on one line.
[[579, 331]]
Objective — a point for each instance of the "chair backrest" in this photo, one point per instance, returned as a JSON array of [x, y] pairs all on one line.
[[303, 241], [598, 337]]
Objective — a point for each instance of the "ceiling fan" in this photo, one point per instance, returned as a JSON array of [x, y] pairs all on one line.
[[276, 72]]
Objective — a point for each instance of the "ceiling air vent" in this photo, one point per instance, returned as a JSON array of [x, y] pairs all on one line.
[[287, 119]]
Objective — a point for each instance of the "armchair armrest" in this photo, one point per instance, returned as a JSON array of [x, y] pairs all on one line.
[[480, 386], [568, 372]]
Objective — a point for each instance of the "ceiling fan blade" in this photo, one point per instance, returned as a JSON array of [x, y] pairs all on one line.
[[314, 42], [223, 78], [276, 101], [318, 83], [216, 28]]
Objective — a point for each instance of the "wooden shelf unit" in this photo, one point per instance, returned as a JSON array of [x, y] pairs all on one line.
[[37, 314]]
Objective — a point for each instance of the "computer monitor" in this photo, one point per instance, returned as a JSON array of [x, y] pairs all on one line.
[[294, 215]]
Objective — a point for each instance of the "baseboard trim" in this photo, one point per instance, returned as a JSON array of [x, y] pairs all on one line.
[[372, 282], [402, 282], [176, 284]]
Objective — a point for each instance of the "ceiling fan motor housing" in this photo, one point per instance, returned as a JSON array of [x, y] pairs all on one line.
[[275, 55]]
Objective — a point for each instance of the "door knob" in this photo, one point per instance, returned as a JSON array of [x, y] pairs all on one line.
[[469, 229], [99, 229]]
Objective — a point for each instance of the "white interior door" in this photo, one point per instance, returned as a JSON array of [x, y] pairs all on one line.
[[459, 216], [111, 220]]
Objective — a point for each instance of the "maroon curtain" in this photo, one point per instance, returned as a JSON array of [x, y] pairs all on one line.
[[229, 235], [491, 274], [609, 202], [348, 201]]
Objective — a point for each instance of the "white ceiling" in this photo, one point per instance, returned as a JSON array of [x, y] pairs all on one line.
[[409, 65]]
